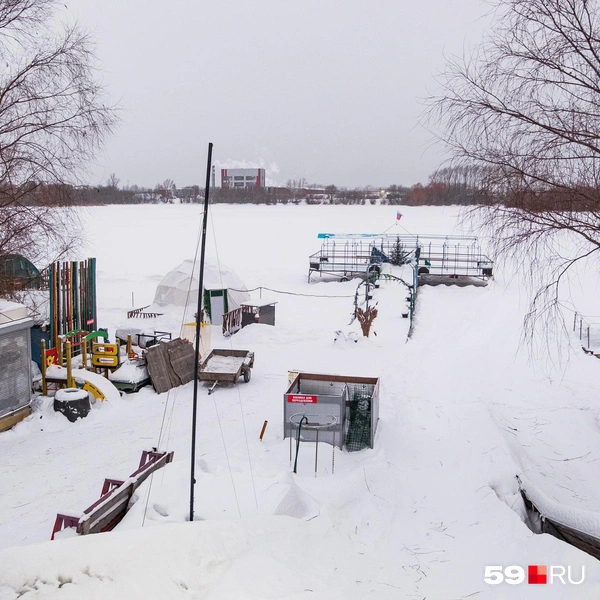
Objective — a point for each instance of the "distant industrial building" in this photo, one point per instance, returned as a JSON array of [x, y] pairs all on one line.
[[242, 178]]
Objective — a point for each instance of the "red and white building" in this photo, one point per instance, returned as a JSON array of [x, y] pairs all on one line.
[[242, 178]]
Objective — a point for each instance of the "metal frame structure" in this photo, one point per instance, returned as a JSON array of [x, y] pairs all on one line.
[[318, 407], [347, 255]]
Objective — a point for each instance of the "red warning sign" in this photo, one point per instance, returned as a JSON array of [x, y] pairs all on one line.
[[302, 398]]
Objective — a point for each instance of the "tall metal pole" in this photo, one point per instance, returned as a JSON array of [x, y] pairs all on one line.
[[198, 319]]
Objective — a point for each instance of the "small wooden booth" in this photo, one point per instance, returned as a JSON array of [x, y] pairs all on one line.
[[249, 311], [258, 311]]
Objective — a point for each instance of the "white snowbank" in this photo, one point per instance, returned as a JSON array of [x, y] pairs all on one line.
[[131, 371], [581, 520]]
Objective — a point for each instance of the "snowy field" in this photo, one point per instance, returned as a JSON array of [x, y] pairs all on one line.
[[463, 410]]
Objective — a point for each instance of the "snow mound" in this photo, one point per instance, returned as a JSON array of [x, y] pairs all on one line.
[[81, 376], [297, 503], [222, 559]]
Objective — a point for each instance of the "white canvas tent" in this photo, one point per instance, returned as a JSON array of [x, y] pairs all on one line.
[[223, 289]]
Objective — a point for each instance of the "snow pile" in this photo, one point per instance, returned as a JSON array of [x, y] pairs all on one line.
[[254, 558], [11, 312], [81, 376], [130, 371], [223, 364], [573, 517]]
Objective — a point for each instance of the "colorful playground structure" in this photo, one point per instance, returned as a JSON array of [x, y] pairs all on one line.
[[59, 371], [61, 350], [79, 354]]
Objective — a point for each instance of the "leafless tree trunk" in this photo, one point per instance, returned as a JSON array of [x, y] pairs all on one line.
[[524, 109], [53, 118]]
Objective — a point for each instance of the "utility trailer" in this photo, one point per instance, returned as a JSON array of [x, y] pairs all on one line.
[[226, 366]]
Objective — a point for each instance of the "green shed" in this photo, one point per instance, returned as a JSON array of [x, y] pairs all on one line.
[[17, 272]]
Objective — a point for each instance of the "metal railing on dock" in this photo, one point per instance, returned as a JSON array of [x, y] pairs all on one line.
[[346, 255]]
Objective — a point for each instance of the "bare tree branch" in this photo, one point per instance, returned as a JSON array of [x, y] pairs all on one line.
[[54, 116], [523, 110]]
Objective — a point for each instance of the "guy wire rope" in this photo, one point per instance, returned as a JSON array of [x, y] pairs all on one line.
[[170, 419], [237, 387]]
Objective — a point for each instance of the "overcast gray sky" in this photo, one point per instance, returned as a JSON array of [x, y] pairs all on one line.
[[328, 90]]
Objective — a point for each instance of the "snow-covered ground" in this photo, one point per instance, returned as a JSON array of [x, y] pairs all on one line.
[[463, 410]]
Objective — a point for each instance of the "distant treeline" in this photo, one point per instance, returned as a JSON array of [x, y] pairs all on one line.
[[418, 195], [446, 187]]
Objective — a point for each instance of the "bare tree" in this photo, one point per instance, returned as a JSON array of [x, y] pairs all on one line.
[[53, 118], [461, 183], [113, 182], [523, 110], [165, 190]]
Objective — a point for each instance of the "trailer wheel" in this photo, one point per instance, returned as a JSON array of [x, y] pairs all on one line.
[[247, 373]]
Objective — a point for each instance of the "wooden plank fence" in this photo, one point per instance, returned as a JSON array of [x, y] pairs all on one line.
[[140, 313], [232, 321]]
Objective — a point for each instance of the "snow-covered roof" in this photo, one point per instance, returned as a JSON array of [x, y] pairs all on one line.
[[11, 311], [256, 301]]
